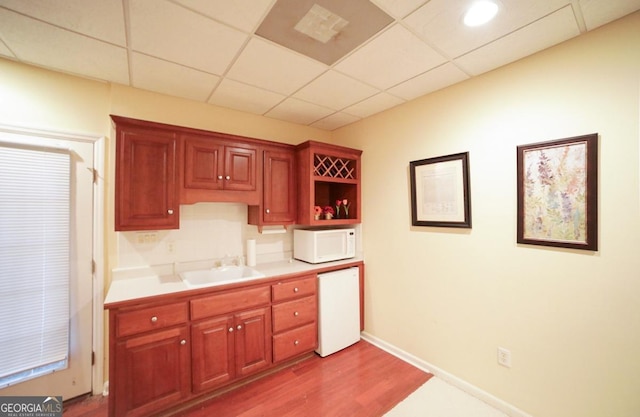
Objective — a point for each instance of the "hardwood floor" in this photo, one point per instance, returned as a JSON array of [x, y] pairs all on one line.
[[360, 381]]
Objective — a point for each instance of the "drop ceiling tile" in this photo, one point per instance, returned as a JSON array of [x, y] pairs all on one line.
[[239, 96], [165, 77], [265, 65], [45, 45], [102, 19], [553, 29], [335, 91], [440, 23], [241, 14], [399, 8], [173, 33], [597, 13], [335, 121], [435, 79], [391, 58], [373, 105], [298, 111]]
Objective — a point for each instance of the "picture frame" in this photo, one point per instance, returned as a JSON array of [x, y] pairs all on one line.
[[440, 195], [558, 193]]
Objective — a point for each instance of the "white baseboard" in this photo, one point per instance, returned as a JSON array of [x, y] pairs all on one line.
[[470, 389]]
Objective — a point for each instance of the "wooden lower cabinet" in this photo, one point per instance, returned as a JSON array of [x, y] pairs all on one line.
[[295, 317], [172, 350], [253, 341], [229, 347], [212, 353], [295, 342], [153, 372]]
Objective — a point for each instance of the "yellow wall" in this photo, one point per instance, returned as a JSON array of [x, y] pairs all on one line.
[[450, 297]]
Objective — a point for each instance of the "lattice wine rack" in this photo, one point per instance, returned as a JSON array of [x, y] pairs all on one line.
[[334, 167]]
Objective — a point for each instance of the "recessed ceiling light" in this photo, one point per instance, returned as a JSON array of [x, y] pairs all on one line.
[[480, 13]]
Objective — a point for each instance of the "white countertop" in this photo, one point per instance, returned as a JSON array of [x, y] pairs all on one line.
[[149, 282]]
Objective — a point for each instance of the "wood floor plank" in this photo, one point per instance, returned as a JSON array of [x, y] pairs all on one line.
[[359, 381]]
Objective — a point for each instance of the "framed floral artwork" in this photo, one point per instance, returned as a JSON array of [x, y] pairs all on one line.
[[440, 191], [558, 193]]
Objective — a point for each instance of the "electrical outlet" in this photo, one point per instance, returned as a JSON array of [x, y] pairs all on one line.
[[146, 237], [504, 357], [170, 246]]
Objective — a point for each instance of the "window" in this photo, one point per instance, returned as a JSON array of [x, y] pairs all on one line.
[[34, 261]]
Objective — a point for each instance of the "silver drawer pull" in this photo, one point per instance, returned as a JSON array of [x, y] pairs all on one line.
[[227, 177], [154, 319], [296, 289], [239, 327], [230, 329], [183, 342], [170, 211], [296, 343], [296, 314]]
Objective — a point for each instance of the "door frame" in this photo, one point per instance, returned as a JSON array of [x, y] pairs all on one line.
[[98, 141]]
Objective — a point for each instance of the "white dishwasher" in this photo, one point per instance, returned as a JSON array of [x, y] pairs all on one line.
[[338, 310]]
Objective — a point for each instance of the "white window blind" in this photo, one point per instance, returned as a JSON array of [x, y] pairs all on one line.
[[34, 261]]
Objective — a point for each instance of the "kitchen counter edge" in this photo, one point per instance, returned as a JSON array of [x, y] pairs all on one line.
[[134, 291]]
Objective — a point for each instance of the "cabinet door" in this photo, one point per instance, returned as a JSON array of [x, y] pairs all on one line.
[[279, 202], [152, 372], [212, 351], [146, 189], [253, 347], [204, 161], [240, 168]]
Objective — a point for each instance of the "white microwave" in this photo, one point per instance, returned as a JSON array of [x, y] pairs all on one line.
[[317, 246]]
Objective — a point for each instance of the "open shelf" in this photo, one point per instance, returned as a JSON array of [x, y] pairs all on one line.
[[328, 173]]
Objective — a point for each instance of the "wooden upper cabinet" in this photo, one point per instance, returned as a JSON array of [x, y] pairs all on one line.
[[240, 168], [215, 168], [160, 166], [203, 164], [146, 192], [279, 195], [327, 173]]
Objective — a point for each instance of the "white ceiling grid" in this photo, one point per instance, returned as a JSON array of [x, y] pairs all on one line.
[[207, 50]]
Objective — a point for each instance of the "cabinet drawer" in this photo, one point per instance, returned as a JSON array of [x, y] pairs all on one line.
[[294, 313], [294, 289], [295, 342], [139, 321], [229, 302]]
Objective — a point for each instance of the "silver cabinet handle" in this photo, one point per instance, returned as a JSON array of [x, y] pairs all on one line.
[[219, 177], [227, 178], [230, 329], [154, 319], [183, 342], [295, 313], [296, 343], [170, 211], [268, 211], [296, 289], [239, 327]]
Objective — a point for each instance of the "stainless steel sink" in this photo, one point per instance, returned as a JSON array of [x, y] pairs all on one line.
[[219, 276]]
